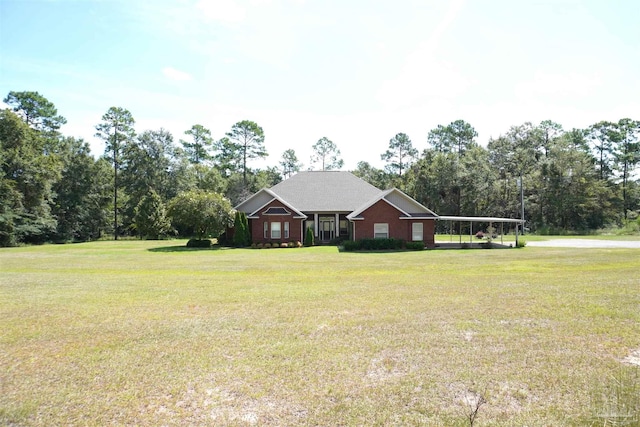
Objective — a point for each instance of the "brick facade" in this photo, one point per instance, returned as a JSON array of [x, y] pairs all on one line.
[[383, 212], [257, 225]]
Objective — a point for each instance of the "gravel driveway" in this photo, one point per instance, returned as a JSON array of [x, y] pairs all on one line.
[[587, 243]]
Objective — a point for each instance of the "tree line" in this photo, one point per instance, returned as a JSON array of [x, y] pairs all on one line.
[[146, 184]]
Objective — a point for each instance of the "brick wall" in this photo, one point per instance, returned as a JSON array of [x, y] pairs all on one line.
[[382, 212], [257, 225]]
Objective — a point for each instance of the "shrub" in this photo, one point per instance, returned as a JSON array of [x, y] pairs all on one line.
[[267, 246], [380, 244], [199, 243], [254, 246], [298, 244], [374, 244], [521, 243], [479, 235], [350, 245], [260, 246], [275, 245], [308, 237], [284, 245], [415, 246]]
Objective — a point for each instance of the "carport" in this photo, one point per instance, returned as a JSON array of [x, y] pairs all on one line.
[[482, 219]]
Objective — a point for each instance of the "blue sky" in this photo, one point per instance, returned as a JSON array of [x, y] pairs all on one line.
[[355, 71]]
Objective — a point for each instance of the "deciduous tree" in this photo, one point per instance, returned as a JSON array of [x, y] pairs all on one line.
[[205, 213]]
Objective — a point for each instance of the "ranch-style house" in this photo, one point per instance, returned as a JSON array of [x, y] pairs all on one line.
[[335, 204]]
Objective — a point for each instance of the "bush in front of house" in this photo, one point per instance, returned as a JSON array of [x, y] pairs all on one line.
[[351, 245], [199, 243], [373, 244], [414, 246], [380, 244]]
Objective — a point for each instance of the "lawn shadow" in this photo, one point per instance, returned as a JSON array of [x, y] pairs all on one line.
[[184, 248]]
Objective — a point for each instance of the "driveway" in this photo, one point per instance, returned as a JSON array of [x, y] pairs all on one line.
[[587, 243]]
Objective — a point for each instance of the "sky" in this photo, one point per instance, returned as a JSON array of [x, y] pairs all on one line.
[[355, 71]]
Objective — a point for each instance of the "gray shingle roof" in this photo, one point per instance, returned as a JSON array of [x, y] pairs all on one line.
[[325, 191]]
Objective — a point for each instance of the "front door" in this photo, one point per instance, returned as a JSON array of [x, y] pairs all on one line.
[[326, 228]]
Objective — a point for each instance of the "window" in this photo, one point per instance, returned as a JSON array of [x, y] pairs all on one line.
[[416, 232], [344, 227], [266, 230], [275, 230], [380, 231], [286, 230]]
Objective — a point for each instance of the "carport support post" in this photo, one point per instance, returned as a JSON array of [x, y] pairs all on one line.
[[517, 234]]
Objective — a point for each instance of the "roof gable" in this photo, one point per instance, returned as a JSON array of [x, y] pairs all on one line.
[[407, 207], [254, 204]]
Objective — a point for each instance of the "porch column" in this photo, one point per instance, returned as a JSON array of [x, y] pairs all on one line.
[[336, 233], [315, 224]]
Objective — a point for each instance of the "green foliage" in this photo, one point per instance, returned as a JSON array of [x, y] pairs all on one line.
[[116, 130], [309, 239], [198, 151], [241, 236], [82, 194], [414, 246], [150, 217], [400, 154], [246, 143], [199, 243], [27, 175], [206, 214], [351, 245], [327, 154], [456, 137], [521, 243], [374, 176], [289, 163], [36, 110], [374, 244]]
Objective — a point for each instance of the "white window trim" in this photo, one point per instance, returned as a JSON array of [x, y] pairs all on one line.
[[381, 230]]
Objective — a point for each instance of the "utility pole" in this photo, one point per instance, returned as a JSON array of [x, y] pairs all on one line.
[[522, 202]]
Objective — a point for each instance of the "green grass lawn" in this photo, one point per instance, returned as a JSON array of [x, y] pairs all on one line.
[[149, 333]]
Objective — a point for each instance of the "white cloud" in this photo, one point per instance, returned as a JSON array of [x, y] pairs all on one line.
[[177, 75], [228, 11]]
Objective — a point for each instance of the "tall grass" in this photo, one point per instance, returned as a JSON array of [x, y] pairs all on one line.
[[150, 333]]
